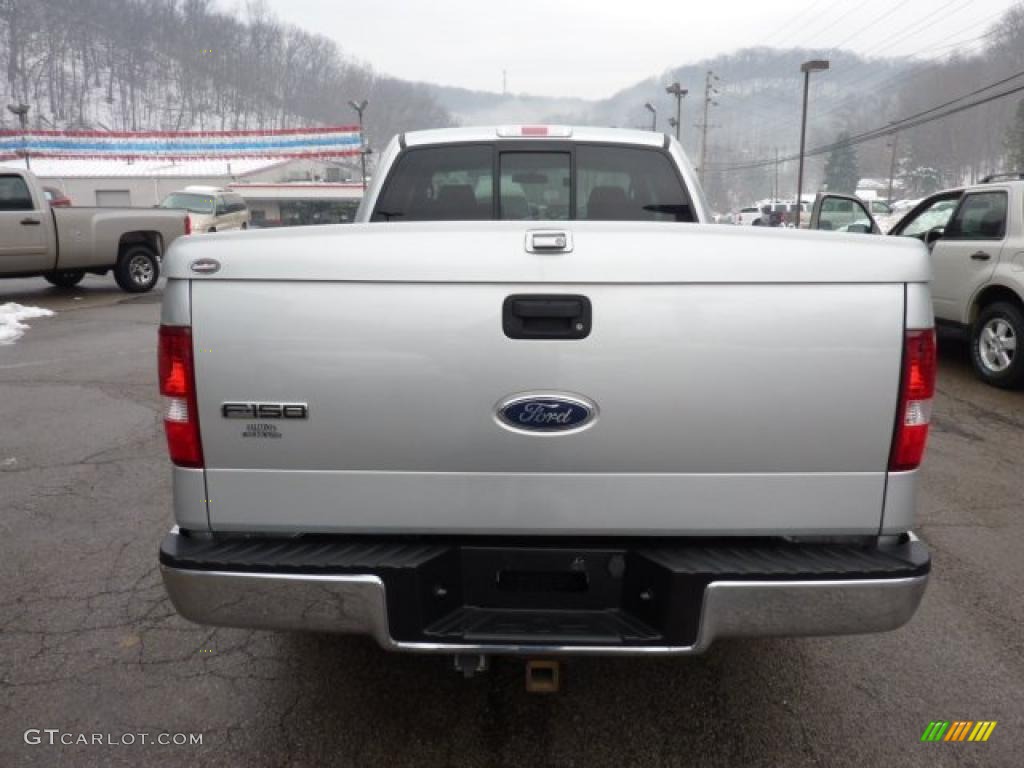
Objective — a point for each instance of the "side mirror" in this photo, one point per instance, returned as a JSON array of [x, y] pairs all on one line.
[[933, 235]]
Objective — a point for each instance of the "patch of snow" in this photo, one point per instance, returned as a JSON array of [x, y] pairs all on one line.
[[11, 315]]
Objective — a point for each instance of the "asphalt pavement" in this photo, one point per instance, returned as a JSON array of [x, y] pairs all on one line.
[[89, 645]]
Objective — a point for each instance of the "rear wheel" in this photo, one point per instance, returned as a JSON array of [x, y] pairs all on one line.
[[995, 338], [137, 269], [65, 278]]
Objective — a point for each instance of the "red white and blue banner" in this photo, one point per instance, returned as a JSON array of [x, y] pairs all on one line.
[[335, 141]]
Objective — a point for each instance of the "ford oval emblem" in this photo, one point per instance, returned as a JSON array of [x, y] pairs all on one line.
[[543, 412]]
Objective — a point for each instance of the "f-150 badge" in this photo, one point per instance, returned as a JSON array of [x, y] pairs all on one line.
[[262, 411], [546, 412]]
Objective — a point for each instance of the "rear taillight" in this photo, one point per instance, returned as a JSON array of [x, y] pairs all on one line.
[[178, 387], [917, 388], [188, 224]]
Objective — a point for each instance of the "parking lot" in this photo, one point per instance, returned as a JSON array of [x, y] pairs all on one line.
[[89, 643]]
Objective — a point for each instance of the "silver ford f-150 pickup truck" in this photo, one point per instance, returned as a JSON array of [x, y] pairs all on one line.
[[534, 404]]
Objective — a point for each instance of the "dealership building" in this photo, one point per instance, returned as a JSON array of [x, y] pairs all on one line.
[[278, 192]]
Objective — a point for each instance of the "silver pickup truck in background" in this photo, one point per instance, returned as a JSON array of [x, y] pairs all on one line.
[[62, 244], [546, 409]]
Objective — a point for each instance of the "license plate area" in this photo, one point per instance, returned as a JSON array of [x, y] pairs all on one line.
[[526, 595], [494, 577], [542, 581]]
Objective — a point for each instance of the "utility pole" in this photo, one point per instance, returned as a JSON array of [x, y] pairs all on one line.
[[709, 91], [775, 193], [359, 106], [504, 82], [892, 167], [679, 93], [21, 110]]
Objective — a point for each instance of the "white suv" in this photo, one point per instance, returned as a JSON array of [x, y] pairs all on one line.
[[210, 209], [976, 238]]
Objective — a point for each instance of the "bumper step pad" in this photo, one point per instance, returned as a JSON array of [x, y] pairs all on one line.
[[482, 625], [580, 592]]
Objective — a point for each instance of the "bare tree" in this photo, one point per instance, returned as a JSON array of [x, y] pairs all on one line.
[[185, 64]]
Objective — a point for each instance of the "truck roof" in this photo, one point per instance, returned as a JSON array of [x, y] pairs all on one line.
[[535, 133]]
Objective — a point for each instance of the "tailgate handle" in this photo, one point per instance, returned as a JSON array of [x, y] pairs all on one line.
[[549, 316], [548, 241]]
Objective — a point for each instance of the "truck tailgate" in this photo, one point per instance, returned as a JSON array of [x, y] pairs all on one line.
[[737, 391]]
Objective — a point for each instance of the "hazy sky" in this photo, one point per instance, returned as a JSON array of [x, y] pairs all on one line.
[[591, 49]]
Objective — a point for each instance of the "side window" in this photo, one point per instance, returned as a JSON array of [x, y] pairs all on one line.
[[14, 194], [222, 206], [844, 215], [981, 216], [235, 203], [535, 186], [935, 215], [628, 184], [450, 183]]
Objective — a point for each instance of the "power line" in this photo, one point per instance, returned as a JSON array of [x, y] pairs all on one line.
[[787, 27], [841, 17], [912, 121], [937, 17], [975, 92], [877, 21], [807, 20], [787, 122]]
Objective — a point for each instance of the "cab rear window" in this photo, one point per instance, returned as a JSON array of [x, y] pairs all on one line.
[[472, 182], [628, 184], [450, 183]]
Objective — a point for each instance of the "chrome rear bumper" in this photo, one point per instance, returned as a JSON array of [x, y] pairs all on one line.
[[355, 603]]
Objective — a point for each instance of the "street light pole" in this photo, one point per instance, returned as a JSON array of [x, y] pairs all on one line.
[[654, 115], [359, 106], [679, 93], [21, 110], [815, 65], [892, 167]]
